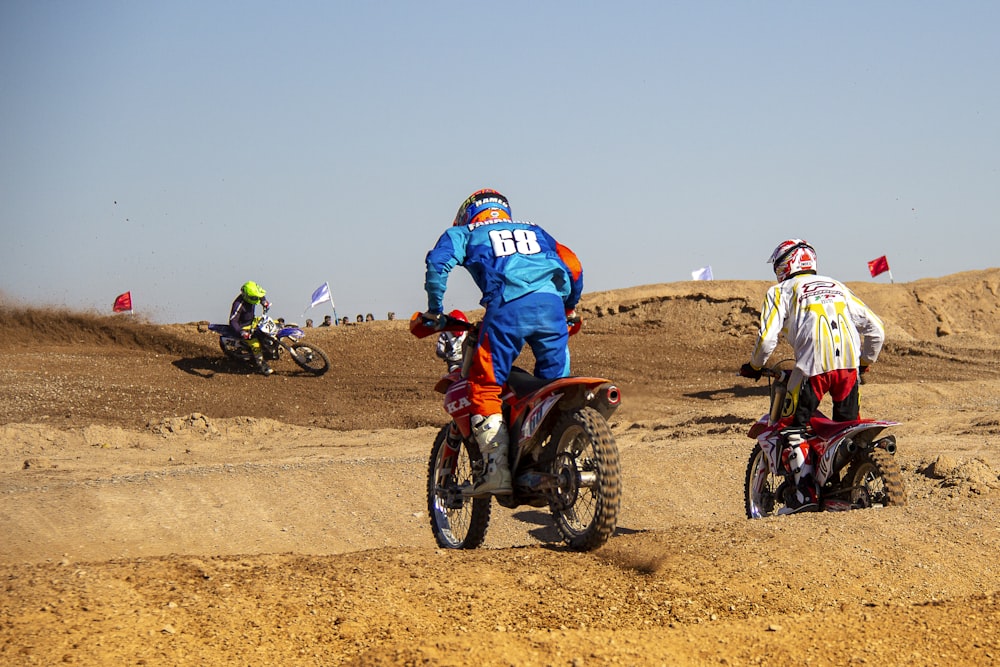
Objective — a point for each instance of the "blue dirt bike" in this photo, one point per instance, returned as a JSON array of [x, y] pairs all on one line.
[[273, 340]]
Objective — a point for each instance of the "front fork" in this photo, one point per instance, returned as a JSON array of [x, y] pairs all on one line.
[[445, 483], [449, 454]]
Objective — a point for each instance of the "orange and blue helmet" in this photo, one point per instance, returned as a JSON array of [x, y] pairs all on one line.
[[482, 205]]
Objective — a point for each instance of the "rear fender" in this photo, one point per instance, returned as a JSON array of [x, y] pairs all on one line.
[[859, 435], [861, 431], [577, 392], [529, 415]]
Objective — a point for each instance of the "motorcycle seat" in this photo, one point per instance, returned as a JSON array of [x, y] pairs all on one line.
[[522, 383], [827, 428]]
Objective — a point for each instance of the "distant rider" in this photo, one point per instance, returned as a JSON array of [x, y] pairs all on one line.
[[243, 321], [835, 337], [449, 343], [529, 284]]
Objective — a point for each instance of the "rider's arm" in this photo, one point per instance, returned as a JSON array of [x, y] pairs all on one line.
[[772, 320], [448, 253], [572, 263], [869, 326], [234, 316]]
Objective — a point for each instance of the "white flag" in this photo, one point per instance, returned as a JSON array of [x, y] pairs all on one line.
[[321, 294], [704, 273]]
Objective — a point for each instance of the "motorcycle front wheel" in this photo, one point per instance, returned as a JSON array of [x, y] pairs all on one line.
[[875, 480], [585, 506], [761, 487], [310, 358], [457, 522]]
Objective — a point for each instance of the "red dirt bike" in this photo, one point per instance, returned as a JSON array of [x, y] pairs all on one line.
[[562, 453], [852, 468]]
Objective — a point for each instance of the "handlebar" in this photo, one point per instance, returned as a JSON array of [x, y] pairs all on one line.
[[425, 324], [772, 372]]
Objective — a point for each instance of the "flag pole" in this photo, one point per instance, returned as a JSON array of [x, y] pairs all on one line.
[[333, 306], [891, 281]]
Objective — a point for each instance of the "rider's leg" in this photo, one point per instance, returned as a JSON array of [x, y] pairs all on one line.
[[846, 396], [258, 356], [493, 439], [796, 458], [491, 363], [544, 318], [802, 402]]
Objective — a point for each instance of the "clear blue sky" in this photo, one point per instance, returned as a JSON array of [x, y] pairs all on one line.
[[177, 149]]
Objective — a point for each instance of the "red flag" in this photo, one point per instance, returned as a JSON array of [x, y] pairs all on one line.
[[878, 265], [123, 302]]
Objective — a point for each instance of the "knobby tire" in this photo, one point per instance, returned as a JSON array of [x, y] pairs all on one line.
[[760, 487], [592, 516], [456, 527], [878, 472], [310, 358]]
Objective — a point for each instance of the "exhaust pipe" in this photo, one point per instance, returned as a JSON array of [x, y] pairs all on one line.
[[888, 443], [605, 398]]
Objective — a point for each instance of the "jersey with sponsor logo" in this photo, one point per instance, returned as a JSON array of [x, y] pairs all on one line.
[[507, 259], [828, 327]]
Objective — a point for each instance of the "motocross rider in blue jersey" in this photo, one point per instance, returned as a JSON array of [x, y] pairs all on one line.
[[530, 284]]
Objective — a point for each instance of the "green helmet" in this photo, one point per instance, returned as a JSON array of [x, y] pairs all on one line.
[[252, 292]]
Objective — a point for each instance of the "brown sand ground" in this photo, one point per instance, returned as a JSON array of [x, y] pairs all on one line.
[[160, 506]]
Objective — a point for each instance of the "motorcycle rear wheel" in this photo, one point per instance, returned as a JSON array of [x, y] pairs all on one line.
[[760, 487], [310, 358], [586, 462], [875, 480], [457, 522]]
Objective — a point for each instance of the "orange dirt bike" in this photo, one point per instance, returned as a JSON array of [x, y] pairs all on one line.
[[854, 468], [562, 453]]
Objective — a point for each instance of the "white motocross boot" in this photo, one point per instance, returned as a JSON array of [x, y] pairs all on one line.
[[804, 498], [492, 437]]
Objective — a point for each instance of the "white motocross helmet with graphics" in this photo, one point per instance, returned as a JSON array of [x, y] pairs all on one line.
[[791, 258]]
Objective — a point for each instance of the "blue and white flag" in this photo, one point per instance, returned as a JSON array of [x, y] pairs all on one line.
[[321, 294], [704, 273]]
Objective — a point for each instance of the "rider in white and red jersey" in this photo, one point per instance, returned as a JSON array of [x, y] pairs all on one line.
[[835, 337]]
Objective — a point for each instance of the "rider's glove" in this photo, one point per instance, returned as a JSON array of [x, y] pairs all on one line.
[[245, 335], [437, 320], [573, 321], [266, 304], [748, 371]]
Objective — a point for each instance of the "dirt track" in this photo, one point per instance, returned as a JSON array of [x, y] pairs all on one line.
[[160, 506]]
